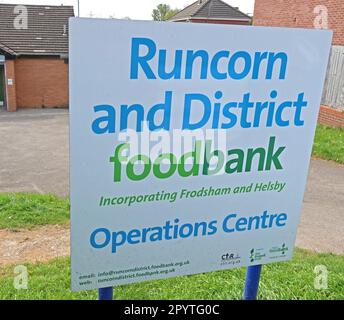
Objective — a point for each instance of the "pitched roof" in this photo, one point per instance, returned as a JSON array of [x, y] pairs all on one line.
[[210, 9], [6, 50], [46, 34]]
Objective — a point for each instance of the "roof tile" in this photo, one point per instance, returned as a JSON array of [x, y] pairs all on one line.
[[214, 9], [47, 31]]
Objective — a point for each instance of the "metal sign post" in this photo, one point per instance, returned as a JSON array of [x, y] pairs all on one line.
[[105, 293], [252, 282]]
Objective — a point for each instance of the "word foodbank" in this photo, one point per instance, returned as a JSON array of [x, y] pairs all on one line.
[[102, 238], [189, 164]]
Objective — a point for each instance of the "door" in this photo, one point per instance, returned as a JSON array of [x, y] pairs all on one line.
[[2, 86]]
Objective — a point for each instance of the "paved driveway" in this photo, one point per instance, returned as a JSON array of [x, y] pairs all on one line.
[[34, 158], [34, 151]]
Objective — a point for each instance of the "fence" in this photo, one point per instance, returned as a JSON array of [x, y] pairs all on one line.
[[333, 94]]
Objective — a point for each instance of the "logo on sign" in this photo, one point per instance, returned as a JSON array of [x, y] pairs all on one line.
[[230, 258]]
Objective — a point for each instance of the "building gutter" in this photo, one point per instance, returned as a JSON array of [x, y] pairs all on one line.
[[207, 18]]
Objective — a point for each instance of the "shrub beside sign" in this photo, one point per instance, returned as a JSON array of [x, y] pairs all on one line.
[[190, 146]]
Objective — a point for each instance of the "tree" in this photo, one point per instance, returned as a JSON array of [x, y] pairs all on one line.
[[163, 12]]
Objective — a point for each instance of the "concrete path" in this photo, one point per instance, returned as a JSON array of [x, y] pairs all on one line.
[[34, 158], [322, 219]]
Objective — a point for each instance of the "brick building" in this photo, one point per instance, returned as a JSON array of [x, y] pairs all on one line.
[[211, 11], [34, 56], [302, 14], [314, 14]]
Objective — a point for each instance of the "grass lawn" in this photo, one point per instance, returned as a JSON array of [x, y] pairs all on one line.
[[287, 280], [23, 210], [329, 143]]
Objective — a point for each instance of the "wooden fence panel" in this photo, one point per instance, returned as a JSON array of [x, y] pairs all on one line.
[[333, 94]]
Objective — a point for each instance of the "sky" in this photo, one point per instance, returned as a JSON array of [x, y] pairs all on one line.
[[134, 9]]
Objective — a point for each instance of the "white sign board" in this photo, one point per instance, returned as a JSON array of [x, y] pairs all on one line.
[[190, 145]]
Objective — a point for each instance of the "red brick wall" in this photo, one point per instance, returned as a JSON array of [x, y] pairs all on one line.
[[10, 91], [41, 82], [331, 117], [300, 14]]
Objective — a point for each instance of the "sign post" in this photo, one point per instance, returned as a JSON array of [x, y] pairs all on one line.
[[252, 282], [188, 154], [105, 293]]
